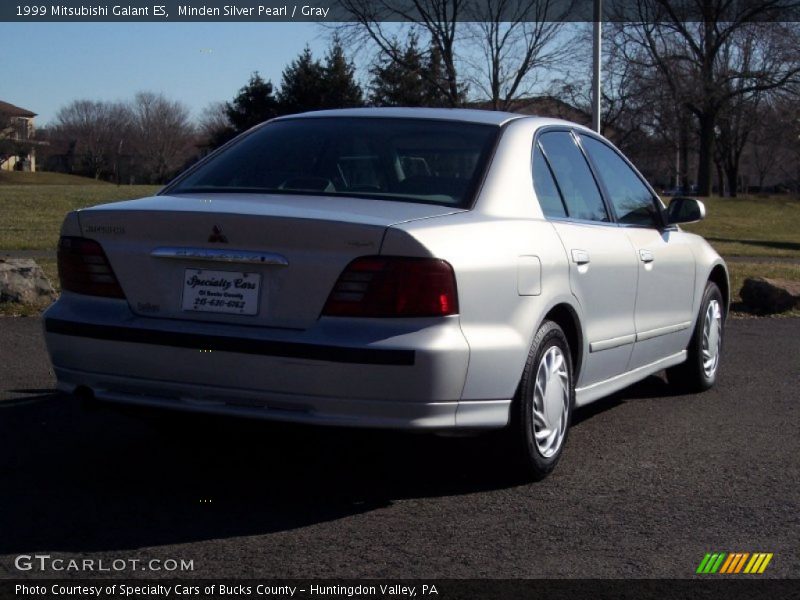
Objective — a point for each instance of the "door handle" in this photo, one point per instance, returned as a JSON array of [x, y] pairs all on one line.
[[580, 257], [646, 256]]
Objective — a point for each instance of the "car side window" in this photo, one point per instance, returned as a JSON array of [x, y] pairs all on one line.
[[632, 201], [575, 180], [545, 186]]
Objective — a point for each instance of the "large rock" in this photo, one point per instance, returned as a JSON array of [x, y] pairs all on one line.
[[22, 280], [764, 295]]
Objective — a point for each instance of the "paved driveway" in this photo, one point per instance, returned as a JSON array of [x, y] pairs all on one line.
[[649, 482]]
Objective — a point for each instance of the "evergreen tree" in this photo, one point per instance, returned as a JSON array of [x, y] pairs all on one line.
[[253, 104], [307, 84], [341, 89], [416, 79], [302, 85], [435, 77], [396, 84]]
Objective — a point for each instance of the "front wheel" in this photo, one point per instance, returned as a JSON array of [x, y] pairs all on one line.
[[699, 372], [543, 403]]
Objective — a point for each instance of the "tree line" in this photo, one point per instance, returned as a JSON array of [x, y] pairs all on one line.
[[306, 84], [310, 84], [151, 137], [692, 90], [145, 140], [719, 89], [692, 96]]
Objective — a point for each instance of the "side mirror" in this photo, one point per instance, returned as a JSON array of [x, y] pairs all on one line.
[[685, 210]]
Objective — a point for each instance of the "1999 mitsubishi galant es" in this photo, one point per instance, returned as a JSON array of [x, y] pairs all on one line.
[[435, 269]]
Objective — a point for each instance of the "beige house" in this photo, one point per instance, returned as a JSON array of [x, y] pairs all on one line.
[[17, 146]]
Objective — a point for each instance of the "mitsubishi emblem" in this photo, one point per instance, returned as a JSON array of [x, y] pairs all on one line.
[[217, 237]]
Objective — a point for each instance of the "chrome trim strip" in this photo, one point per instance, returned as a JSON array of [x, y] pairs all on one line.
[[639, 337], [219, 255], [646, 335], [612, 343]]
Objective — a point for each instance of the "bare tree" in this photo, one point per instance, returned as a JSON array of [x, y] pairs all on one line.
[[787, 140], [214, 127], [93, 131], [163, 135], [695, 53], [518, 40], [212, 119], [767, 144], [738, 116], [627, 102], [516, 37]]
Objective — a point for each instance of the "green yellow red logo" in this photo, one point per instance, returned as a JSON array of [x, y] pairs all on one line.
[[732, 563]]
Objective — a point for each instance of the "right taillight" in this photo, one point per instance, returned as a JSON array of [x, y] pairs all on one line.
[[83, 268], [390, 286]]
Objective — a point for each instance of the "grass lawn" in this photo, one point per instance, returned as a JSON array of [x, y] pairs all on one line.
[[31, 215], [751, 226], [754, 226]]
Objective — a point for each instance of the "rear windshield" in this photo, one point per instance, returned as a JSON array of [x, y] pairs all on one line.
[[412, 160]]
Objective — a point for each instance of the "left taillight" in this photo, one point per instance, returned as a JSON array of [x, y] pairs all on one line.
[[83, 268]]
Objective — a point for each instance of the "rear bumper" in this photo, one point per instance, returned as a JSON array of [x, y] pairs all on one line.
[[290, 408], [399, 375]]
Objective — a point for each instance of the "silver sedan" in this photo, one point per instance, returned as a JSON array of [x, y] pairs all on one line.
[[402, 268]]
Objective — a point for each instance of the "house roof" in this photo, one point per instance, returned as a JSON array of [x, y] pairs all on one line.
[[15, 111]]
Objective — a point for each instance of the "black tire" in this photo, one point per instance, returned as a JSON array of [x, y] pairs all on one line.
[[691, 376], [532, 463]]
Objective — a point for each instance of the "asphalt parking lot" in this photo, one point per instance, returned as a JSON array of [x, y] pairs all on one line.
[[650, 481]]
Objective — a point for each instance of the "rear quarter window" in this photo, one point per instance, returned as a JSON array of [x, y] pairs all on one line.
[[545, 186], [575, 180]]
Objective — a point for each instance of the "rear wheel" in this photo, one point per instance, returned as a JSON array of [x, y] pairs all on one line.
[[543, 405], [699, 372]]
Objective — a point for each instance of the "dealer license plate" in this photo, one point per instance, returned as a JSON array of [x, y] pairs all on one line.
[[221, 291]]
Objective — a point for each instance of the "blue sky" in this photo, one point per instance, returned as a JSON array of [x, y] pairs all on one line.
[[46, 65]]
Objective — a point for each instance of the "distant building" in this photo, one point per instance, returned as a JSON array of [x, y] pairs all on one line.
[[17, 146]]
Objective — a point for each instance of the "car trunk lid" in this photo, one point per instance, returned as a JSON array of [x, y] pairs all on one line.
[[267, 260]]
